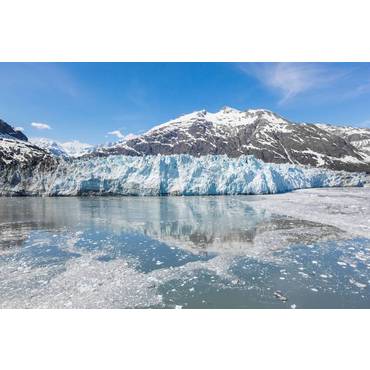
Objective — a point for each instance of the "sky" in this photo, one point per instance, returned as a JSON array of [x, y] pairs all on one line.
[[100, 102]]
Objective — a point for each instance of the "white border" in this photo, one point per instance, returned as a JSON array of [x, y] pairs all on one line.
[[184, 339], [192, 30], [164, 30]]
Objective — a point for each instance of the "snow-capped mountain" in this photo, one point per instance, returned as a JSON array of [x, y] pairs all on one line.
[[16, 151], [72, 149], [259, 132], [76, 149], [50, 145], [357, 136]]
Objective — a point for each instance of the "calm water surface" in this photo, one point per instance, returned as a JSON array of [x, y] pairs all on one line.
[[175, 252]]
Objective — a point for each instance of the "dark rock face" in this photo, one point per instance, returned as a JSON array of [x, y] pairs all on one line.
[[20, 161], [262, 133], [7, 130]]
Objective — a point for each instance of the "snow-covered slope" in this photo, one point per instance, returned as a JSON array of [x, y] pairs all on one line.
[[259, 132], [49, 145], [357, 136], [175, 175], [76, 149], [19, 153], [7, 131], [21, 160], [67, 149]]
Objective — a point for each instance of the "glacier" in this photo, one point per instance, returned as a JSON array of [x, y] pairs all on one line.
[[169, 175]]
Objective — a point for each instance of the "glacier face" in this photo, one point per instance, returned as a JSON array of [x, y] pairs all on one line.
[[173, 175]]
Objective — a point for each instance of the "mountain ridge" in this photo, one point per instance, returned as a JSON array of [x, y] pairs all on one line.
[[259, 132], [8, 131]]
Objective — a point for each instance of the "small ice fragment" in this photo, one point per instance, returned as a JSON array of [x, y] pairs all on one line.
[[282, 278], [340, 263], [280, 296], [314, 289], [158, 263], [358, 284], [293, 306], [303, 274], [191, 289], [324, 276], [314, 262], [178, 307]]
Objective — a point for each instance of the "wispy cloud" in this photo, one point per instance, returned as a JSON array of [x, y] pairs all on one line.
[[40, 126], [121, 136], [117, 133], [292, 79], [18, 128]]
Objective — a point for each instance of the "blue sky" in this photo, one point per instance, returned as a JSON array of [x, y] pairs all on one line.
[[86, 101]]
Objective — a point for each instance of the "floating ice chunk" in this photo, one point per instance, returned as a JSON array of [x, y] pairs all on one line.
[[358, 284], [303, 274], [280, 296]]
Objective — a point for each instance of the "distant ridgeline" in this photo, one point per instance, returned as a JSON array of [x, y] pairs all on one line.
[[200, 153]]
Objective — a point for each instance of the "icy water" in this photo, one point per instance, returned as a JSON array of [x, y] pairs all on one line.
[[306, 249]]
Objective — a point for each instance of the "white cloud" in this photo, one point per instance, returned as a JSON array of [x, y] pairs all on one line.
[[40, 126], [117, 133], [291, 79], [121, 136]]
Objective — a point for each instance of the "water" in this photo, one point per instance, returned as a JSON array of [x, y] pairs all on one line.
[[184, 252]]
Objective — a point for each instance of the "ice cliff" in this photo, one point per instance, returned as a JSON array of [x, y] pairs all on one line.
[[169, 175]]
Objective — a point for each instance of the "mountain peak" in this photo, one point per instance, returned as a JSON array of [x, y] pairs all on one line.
[[269, 115], [227, 109]]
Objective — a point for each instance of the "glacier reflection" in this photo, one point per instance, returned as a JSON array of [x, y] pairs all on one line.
[[200, 224]]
